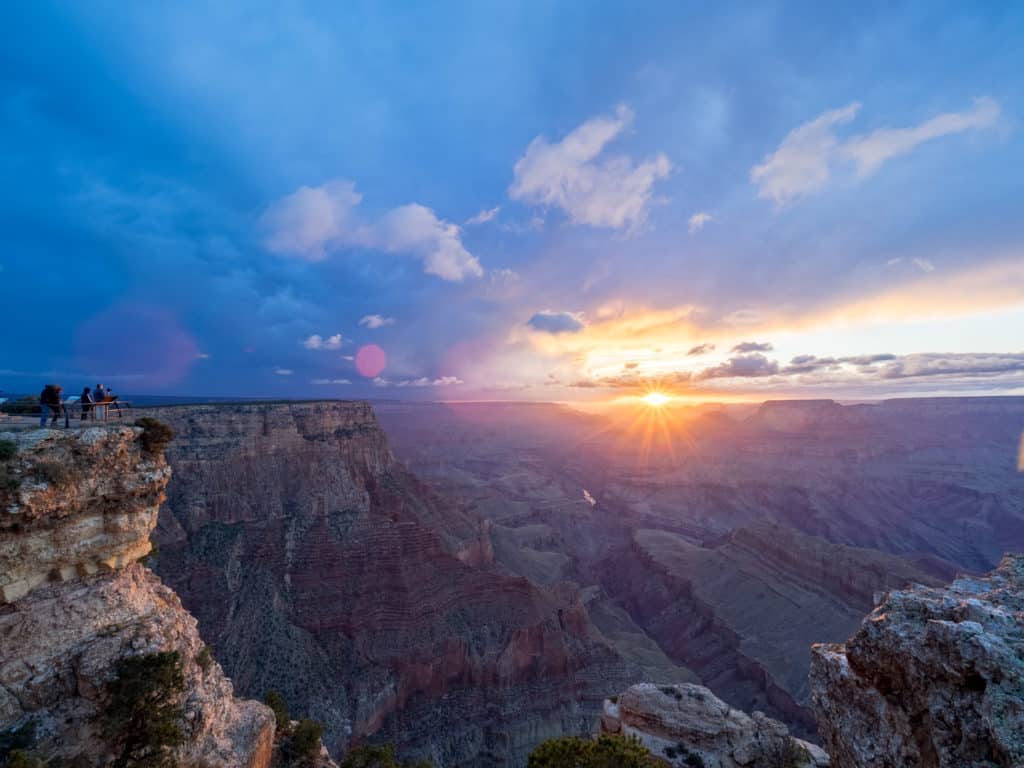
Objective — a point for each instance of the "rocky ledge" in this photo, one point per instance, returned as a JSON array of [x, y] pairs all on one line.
[[934, 678], [76, 511], [688, 725]]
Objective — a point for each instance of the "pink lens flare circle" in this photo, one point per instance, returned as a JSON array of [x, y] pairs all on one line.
[[370, 361]]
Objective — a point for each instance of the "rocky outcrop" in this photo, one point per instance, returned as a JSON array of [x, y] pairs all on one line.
[[75, 603], [934, 678], [689, 725], [319, 567]]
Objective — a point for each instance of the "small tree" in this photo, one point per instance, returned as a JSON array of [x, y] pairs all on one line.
[[605, 752], [282, 718], [378, 756], [155, 434], [144, 712], [305, 741]]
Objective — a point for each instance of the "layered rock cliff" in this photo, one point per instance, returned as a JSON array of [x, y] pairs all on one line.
[[77, 511], [320, 568], [688, 725], [934, 678]]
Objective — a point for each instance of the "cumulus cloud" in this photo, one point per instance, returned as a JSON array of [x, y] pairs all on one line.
[[375, 321], [548, 321], [701, 349], [609, 191], [313, 221], [698, 220], [966, 364], [316, 341], [752, 346], [483, 217], [804, 161], [741, 366]]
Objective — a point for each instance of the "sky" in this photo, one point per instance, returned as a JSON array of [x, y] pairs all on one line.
[[538, 200]]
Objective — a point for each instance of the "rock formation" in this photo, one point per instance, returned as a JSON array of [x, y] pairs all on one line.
[[77, 511], [934, 678], [686, 723], [319, 567]]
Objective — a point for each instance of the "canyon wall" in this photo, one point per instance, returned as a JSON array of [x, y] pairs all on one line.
[[77, 511], [319, 567], [934, 678]]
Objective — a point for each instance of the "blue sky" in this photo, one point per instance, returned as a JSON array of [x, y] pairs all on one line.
[[528, 200]]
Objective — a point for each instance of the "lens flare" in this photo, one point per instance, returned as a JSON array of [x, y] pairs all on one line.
[[370, 361]]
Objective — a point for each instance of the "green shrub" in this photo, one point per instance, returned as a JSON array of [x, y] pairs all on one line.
[[604, 752], [786, 753], [282, 718], [694, 760], [17, 739], [143, 713], [8, 450], [155, 434], [28, 404], [381, 756], [305, 741], [9, 481], [204, 658]]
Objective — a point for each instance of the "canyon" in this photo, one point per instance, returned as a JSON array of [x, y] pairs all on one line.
[[468, 580]]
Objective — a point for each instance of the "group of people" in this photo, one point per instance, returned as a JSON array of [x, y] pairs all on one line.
[[51, 400]]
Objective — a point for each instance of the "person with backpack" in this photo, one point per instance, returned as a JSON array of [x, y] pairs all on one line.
[[50, 402]]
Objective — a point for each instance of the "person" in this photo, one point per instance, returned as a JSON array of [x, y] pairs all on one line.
[[86, 400], [50, 402], [100, 395]]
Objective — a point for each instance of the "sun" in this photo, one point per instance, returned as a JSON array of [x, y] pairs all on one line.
[[655, 399]]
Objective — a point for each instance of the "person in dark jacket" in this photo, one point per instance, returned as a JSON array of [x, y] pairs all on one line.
[[86, 400], [50, 402]]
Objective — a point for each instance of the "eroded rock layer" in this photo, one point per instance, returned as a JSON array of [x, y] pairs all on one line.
[[319, 567], [77, 603], [934, 678]]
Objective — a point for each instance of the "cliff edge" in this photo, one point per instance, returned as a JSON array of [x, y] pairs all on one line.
[[76, 512], [933, 678]]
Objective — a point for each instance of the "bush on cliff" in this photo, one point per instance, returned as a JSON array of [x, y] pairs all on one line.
[[8, 450], [381, 756], [303, 745], [282, 718], [155, 434], [604, 752], [144, 712]]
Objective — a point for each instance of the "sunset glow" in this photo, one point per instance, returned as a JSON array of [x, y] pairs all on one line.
[[655, 399]]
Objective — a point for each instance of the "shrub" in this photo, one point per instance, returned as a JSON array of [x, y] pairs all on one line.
[[305, 742], [16, 739], [204, 658], [22, 406], [786, 753], [21, 759], [53, 473], [605, 752], [144, 711], [694, 760], [8, 450], [155, 434], [282, 718], [382, 756], [9, 481]]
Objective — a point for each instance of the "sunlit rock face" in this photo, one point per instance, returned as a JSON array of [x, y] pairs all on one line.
[[933, 678], [319, 567], [681, 723], [76, 603]]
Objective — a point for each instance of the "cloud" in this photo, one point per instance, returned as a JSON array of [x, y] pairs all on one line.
[[966, 364], [609, 192], [556, 322], [923, 264], [414, 228], [422, 381], [701, 349], [809, 364], [316, 341], [753, 346], [483, 217], [870, 151], [698, 220], [375, 321], [283, 371], [331, 381], [804, 161], [313, 221], [741, 366]]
